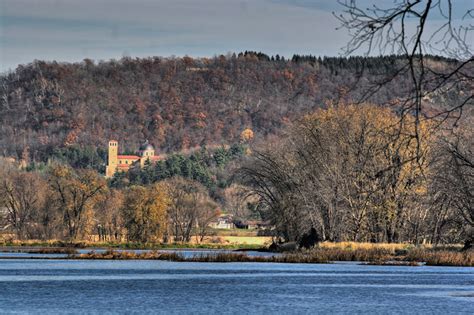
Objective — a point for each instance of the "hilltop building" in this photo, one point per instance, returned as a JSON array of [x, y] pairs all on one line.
[[122, 163]]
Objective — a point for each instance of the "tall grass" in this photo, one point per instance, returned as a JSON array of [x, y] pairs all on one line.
[[308, 256], [392, 247], [442, 257], [53, 250], [382, 256], [126, 255]]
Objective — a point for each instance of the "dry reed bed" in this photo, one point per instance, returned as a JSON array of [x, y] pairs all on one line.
[[53, 250], [386, 254], [442, 257], [382, 256], [361, 245]]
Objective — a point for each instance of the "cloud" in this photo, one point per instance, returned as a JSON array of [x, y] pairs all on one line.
[[73, 30]]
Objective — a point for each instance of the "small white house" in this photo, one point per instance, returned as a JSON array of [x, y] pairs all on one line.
[[223, 222]]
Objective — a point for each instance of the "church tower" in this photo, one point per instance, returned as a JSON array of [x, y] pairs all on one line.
[[112, 160], [146, 152]]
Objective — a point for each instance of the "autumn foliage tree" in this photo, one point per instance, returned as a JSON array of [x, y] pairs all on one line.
[[144, 212], [351, 172]]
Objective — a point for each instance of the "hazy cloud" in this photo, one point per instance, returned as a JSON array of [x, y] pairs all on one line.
[[71, 30], [74, 30]]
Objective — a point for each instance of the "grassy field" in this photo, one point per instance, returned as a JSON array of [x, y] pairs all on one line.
[[247, 240]]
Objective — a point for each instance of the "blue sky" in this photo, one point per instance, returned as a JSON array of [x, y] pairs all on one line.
[[71, 30]]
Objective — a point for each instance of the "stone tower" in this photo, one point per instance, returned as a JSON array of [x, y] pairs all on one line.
[[113, 159]]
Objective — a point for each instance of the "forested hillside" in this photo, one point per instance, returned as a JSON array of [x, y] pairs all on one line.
[[245, 134], [177, 103]]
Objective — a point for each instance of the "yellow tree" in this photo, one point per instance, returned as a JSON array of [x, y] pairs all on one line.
[[144, 212], [246, 135], [367, 160]]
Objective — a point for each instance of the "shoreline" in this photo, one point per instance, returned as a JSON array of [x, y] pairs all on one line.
[[385, 263]]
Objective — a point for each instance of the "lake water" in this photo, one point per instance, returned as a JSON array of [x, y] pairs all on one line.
[[127, 287]]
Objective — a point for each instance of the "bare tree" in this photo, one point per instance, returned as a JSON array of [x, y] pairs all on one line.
[[110, 223], [207, 212], [273, 174], [453, 184], [236, 200], [190, 208], [74, 193], [413, 29], [22, 195]]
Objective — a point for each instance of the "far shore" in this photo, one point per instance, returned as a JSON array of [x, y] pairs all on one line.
[[21, 246]]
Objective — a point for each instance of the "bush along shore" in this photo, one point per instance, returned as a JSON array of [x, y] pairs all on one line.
[[377, 256]]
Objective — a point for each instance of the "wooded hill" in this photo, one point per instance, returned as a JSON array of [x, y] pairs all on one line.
[[179, 103]]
